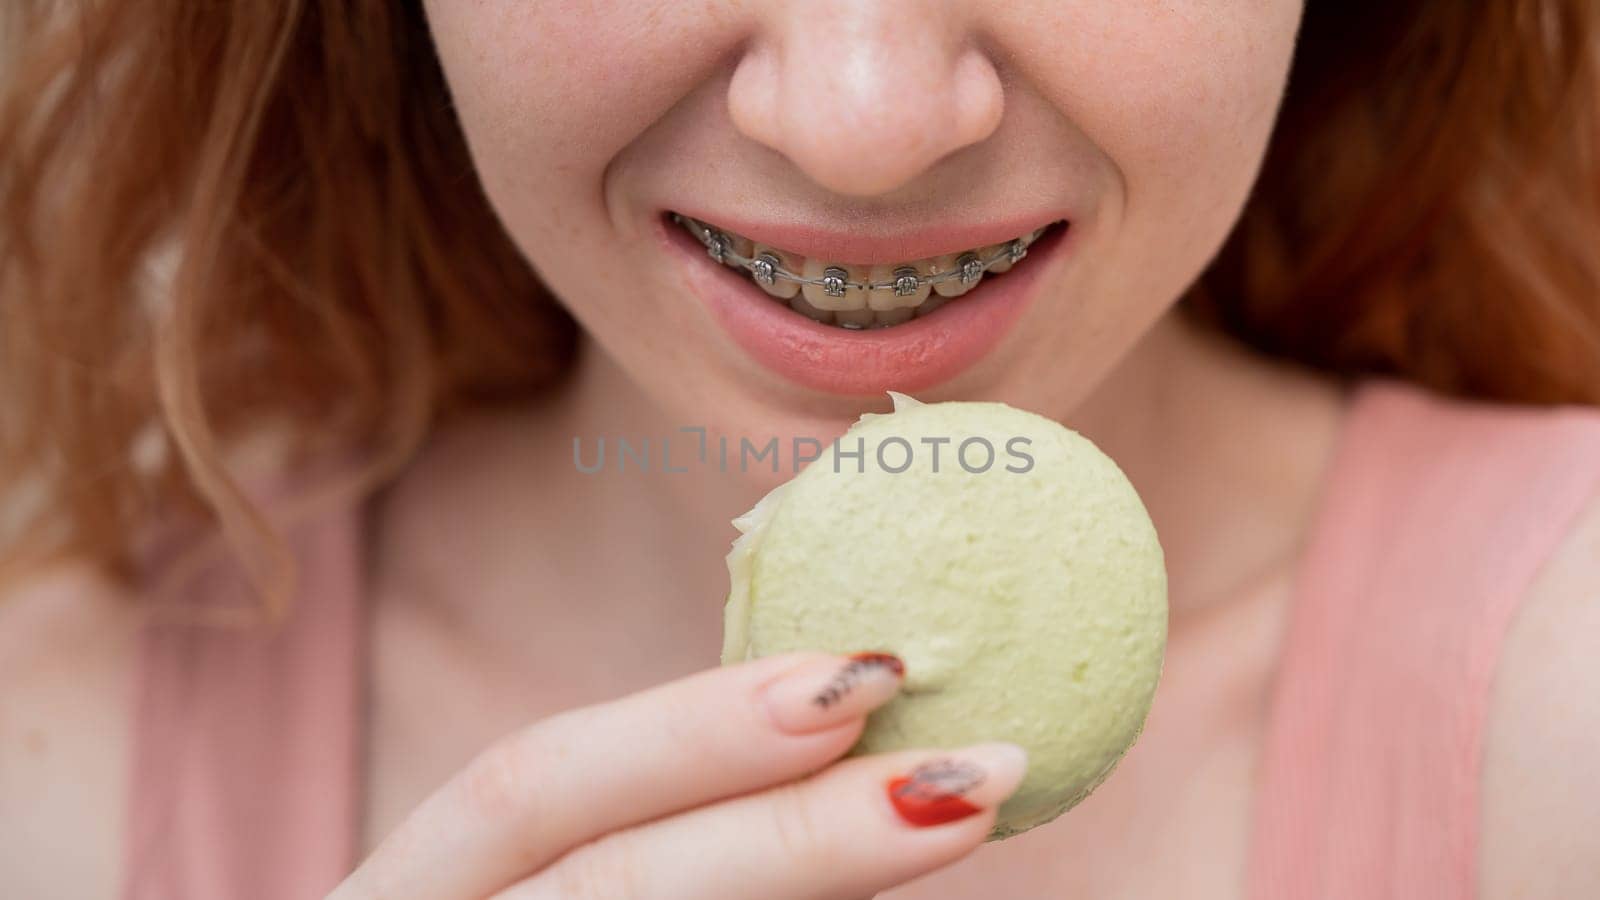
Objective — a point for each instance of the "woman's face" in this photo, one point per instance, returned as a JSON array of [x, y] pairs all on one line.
[[868, 136]]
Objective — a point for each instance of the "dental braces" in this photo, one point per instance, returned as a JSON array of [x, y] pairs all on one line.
[[767, 268]]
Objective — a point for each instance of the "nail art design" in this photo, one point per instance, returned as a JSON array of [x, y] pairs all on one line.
[[931, 794], [846, 678]]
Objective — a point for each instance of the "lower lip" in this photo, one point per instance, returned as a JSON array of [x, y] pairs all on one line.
[[912, 356]]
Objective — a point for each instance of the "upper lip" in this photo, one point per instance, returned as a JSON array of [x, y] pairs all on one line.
[[858, 248]]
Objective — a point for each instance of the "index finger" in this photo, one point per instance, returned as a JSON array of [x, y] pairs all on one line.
[[580, 774]]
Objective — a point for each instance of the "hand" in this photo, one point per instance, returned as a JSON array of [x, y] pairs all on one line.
[[716, 785]]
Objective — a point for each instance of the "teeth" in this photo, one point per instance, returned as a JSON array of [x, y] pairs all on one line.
[[781, 288], [819, 296], [884, 317], [852, 307], [1003, 264], [889, 298], [1011, 252], [854, 318], [800, 305], [933, 303], [953, 287]]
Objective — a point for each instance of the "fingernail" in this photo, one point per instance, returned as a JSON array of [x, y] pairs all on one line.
[[832, 691], [958, 783]]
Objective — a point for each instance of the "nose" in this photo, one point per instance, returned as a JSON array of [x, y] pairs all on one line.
[[864, 96]]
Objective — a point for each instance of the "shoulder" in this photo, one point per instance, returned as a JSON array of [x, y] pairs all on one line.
[[1540, 831], [67, 647]]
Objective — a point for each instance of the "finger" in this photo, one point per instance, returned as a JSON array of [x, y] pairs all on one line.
[[578, 775], [863, 825]]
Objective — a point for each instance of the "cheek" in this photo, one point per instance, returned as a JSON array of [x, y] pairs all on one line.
[[1180, 96], [547, 94]]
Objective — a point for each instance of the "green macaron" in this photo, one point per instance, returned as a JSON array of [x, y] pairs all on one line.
[[1003, 557]]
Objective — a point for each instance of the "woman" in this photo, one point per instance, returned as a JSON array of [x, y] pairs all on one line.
[[343, 285]]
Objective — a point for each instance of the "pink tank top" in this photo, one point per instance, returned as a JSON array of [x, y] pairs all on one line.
[[247, 766]]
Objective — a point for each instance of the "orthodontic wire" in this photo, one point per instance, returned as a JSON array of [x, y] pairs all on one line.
[[835, 280]]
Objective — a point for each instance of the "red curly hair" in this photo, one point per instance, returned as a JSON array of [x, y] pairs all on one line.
[[218, 218]]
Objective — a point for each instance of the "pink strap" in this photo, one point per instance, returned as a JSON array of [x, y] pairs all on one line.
[[245, 767], [1437, 517]]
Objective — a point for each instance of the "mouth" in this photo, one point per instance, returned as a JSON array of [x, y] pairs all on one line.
[[860, 296], [913, 311]]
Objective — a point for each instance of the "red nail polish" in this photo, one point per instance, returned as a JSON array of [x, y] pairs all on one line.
[[931, 794], [859, 665], [888, 660]]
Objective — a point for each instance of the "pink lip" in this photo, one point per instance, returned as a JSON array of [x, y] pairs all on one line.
[[912, 356], [853, 249]]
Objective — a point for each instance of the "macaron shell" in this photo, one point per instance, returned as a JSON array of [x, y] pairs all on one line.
[[1027, 606]]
